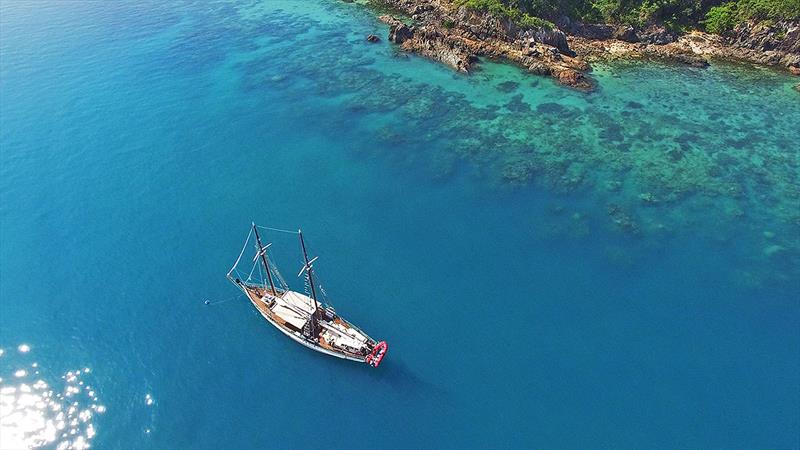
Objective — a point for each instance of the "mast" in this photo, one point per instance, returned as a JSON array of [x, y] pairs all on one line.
[[263, 252], [308, 271]]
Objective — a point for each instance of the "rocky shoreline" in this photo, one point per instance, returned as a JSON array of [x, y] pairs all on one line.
[[458, 36]]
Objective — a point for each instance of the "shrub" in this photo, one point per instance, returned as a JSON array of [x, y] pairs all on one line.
[[721, 19], [497, 8], [768, 9], [528, 21], [718, 16]]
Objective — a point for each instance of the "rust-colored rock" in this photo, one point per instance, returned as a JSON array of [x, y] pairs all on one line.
[[574, 79], [456, 36], [469, 35]]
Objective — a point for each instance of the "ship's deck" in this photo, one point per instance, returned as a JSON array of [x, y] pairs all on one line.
[[291, 310]]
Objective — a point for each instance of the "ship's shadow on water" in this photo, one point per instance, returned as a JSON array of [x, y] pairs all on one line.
[[403, 378], [396, 377]]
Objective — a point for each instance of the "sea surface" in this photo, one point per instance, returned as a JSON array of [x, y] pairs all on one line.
[[550, 268]]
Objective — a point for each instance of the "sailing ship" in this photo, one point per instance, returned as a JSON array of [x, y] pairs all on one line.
[[304, 317]]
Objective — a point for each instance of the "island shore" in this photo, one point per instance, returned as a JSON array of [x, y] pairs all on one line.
[[458, 36]]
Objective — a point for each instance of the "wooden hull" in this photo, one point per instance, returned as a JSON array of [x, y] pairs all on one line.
[[256, 295]]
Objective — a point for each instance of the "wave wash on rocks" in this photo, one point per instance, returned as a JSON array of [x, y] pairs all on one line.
[[456, 36]]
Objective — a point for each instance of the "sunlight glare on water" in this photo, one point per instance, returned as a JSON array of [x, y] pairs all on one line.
[[36, 414]]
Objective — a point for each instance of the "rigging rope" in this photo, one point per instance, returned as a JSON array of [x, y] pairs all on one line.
[[278, 275], [250, 276], [277, 229], [242, 252]]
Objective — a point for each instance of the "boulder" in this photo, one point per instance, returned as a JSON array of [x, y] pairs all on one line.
[[539, 68], [656, 34], [592, 30], [451, 50], [626, 33], [398, 31], [373, 38], [485, 26], [574, 79], [783, 36], [552, 37]]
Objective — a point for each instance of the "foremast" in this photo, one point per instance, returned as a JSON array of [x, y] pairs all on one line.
[[262, 252]]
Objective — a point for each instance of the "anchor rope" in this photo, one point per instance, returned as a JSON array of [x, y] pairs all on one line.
[[219, 302]]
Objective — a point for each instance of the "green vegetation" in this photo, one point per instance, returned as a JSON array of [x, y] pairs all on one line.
[[724, 17], [496, 7], [716, 16]]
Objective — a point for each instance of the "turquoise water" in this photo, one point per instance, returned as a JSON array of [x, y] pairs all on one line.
[[550, 269]]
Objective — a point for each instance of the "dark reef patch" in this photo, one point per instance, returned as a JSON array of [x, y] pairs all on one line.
[[508, 86], [518, 105], [612, 132], [634, 105]]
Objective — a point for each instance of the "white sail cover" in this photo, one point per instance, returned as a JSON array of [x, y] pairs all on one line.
[[294, 308]]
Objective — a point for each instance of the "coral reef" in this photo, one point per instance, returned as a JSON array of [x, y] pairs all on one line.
[[661, 150]]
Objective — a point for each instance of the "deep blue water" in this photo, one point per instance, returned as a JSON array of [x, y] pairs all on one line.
[[139, 140]]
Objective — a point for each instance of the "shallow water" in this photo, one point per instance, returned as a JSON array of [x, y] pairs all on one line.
[[550, 268]]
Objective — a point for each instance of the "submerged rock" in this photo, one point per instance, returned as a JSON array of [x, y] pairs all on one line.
[[634, 105], [648, 198], [552, 108], [517, 172], [373, 38], [518, 105], [774, 250], [575, 79], [622, 219], [507, 86]]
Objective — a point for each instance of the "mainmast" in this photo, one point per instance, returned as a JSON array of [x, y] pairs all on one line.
[[308, 271], [263, 252]]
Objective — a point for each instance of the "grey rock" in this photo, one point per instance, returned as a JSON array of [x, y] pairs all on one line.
[[626, 33], [656, 34]]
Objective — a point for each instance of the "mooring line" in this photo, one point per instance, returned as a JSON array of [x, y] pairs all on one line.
[[208, 302]]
